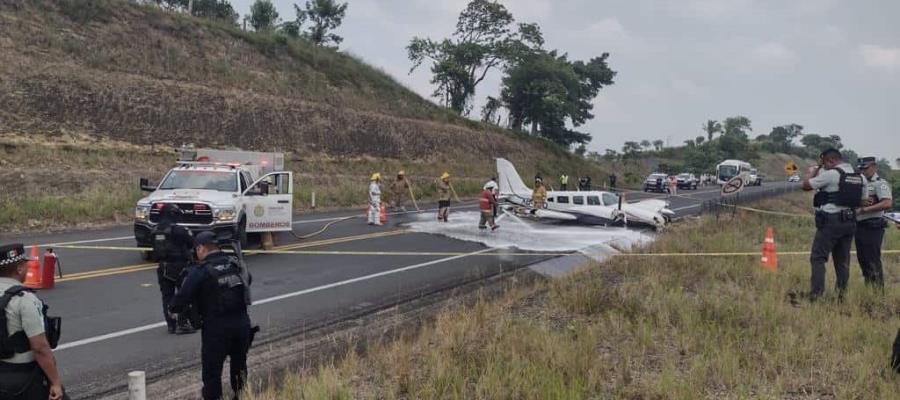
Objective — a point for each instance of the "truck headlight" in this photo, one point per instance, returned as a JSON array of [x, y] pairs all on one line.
[[224, 214], [141, 212]]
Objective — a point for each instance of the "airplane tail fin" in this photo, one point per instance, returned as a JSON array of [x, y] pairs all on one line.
[[511, 183]]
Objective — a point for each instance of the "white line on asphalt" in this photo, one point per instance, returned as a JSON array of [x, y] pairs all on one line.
[[148, 327]]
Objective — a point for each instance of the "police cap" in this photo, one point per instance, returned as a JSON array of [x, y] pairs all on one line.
[[205, 238], [865, 162], [13, 254], [831, 152]]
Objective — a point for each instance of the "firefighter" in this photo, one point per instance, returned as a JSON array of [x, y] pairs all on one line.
[[870, 223], [495, 189], [399, 190], [375, 200], [539, 197], [487, 203], [564, 182], [444, 195]]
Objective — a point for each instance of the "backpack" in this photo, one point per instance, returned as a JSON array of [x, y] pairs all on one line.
[[231, 289], [17, 343], [161, 237]]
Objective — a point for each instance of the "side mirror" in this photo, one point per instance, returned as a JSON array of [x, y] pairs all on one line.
[[146, 186]]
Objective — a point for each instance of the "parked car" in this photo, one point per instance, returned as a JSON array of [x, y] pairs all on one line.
[[656, 182], [794, 178], [687, 181]]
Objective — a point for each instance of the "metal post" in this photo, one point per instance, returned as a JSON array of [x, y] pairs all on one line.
[[137, 386], [313, 203]]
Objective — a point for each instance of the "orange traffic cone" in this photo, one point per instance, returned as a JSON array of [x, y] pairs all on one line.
[[769, 258], [33, 277], [382, 214]]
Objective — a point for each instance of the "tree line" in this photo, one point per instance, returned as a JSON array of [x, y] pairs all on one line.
[[730, 139], [316, 21]]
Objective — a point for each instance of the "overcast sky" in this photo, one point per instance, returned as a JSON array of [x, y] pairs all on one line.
[[832, 66]]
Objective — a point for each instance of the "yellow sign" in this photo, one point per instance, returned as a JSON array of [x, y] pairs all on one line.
[[790, 168]]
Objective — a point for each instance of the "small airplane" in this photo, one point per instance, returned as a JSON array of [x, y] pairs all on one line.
[[592, 207]]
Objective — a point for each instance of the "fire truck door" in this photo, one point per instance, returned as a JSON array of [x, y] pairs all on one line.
[[269, 203]]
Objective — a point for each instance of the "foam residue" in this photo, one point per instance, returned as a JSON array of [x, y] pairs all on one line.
[[596, 242]]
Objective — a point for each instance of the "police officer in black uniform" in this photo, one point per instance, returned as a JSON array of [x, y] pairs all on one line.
[[839, 192], [27, 336], [172, 248], [870, 223], [612, 180], [220, 287]]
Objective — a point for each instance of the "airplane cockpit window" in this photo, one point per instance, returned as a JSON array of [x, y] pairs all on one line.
[[610, 199], [594, 201]]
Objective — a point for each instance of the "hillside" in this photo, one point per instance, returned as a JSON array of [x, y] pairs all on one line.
[[111, 74]]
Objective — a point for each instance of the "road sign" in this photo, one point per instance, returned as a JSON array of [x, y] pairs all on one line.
[[790, 168], [734, 185]]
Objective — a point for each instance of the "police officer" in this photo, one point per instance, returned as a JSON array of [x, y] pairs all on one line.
[[172, 247], [220, 286], [612, 180], [27, 367], [839, 191], [870, 224]]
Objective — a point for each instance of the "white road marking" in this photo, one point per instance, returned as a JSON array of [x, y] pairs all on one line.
[[86, 241], [148, 327]]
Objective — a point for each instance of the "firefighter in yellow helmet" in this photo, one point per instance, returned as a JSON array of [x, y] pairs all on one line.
[[375, 199], [444, 193], [399, 191], [539, 196]]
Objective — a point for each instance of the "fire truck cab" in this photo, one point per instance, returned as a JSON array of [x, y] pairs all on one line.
[[228, 192]]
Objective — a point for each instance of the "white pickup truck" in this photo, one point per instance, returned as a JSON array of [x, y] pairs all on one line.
[[233, 192]]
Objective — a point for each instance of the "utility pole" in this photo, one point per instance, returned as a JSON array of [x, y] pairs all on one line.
[[191, 7]]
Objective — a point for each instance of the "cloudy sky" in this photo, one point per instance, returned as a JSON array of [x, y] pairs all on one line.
[[832, 66]]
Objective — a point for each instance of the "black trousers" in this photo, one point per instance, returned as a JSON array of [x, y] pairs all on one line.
[[224, 336], [24, 382], [869, 236], [834, 236], [170, 277]]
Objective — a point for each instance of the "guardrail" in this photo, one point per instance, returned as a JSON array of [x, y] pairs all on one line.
[[727, 205]]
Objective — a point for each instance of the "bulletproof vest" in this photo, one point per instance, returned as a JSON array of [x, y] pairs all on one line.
[[849, 194], [17, 342], [165, 245], [229, 289]]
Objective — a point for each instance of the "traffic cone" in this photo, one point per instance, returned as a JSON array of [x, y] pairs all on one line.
[[382, 214], [769, 258], [33, 277]]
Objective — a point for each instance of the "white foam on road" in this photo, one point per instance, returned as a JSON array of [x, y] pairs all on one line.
[[596, 242]]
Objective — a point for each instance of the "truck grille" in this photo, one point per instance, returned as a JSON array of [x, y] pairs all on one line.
[[191, 213]]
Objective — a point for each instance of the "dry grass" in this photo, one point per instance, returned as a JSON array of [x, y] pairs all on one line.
[[647, 328]]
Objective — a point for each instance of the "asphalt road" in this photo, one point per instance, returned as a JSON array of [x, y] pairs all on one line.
[[110, 302]]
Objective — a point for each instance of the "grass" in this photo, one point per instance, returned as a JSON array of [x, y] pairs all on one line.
[[646, 328]]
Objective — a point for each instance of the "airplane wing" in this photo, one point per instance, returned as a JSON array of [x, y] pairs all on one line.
[[654, 205], [539, 214]]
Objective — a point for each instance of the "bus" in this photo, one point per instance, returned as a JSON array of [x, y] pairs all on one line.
[[729, 169]]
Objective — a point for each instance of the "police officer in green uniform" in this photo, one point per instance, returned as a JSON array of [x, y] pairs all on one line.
[[839, 190], [27, 367], [870, 224]]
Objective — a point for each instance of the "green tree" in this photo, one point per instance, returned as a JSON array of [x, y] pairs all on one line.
[[484, 40], [631, 149], [690, 143], [712, 127], [782, 137], [699, 140], [658, 144], [736, 126], [491, 110], [884, 167], [549, 92], [645, 144], [324, 16], [215, 9], [580, 150], [263, 16]]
